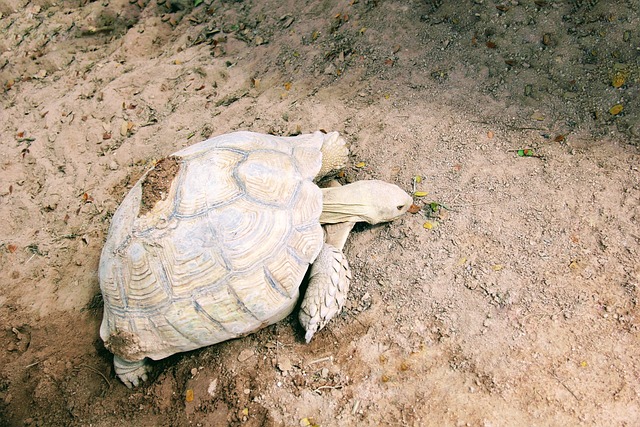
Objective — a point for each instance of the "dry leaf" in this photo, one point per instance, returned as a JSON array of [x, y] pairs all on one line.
[[616, 109], [12, 248], [618, 79], [361, 164], [428, 225], [287, 86], [308, 422], [490, 135], [491, 45], [414, 209], [497, 267], [420, 193], [559, 138], [189, 395]]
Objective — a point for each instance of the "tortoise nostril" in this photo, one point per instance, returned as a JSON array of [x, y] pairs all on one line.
[[400, 207]]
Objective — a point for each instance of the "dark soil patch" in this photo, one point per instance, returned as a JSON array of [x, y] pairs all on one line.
[[157, 183]]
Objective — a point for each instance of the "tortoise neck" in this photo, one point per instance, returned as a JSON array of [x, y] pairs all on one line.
[[345, 204]]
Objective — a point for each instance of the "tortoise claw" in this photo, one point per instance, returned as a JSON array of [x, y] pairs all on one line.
[[131, 374]]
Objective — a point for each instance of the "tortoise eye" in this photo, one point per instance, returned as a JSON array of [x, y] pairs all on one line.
[[400, 207]]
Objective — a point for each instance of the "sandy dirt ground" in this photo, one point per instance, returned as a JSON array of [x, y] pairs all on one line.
[[509, 299]]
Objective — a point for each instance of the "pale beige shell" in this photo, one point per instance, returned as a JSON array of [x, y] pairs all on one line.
[[222, 255]]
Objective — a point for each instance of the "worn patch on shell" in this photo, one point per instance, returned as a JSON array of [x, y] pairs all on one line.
[[157, 183], [124, 344]]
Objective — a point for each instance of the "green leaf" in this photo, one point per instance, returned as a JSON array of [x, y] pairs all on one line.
[[197, 2], [527, 152]]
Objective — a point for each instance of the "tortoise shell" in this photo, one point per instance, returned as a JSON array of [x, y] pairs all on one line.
[[220, 253]]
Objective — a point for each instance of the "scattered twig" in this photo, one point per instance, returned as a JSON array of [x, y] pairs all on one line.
[[355, 408], [326, 387], [92, 369], [88, 31], [324, 359], [565, 386], [32, 364]]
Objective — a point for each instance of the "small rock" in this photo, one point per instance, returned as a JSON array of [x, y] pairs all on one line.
[[194, 372], [245, 354], [113, 165], [285, 365], [330, 69], [212, 387], [324, 373]]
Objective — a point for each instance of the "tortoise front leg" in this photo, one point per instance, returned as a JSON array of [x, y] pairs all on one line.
[[326, 294]]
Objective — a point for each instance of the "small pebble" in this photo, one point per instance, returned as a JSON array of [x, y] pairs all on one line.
[[285, 365]]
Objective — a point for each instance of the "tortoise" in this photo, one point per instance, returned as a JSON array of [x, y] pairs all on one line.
[[214, 241]]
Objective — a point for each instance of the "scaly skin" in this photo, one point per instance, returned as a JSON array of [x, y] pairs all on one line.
[[131, 373]]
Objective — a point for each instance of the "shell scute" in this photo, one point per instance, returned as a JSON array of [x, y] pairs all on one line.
[[287, 271], [265, 300], [238, 227], [222, 308], [206, 182], [269, 177]]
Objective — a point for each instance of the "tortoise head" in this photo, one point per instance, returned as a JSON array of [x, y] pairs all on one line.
[[370, 201]]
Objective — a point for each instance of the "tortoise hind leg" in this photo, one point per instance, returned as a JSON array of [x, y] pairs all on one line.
[[131, 373], [326, 294]]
